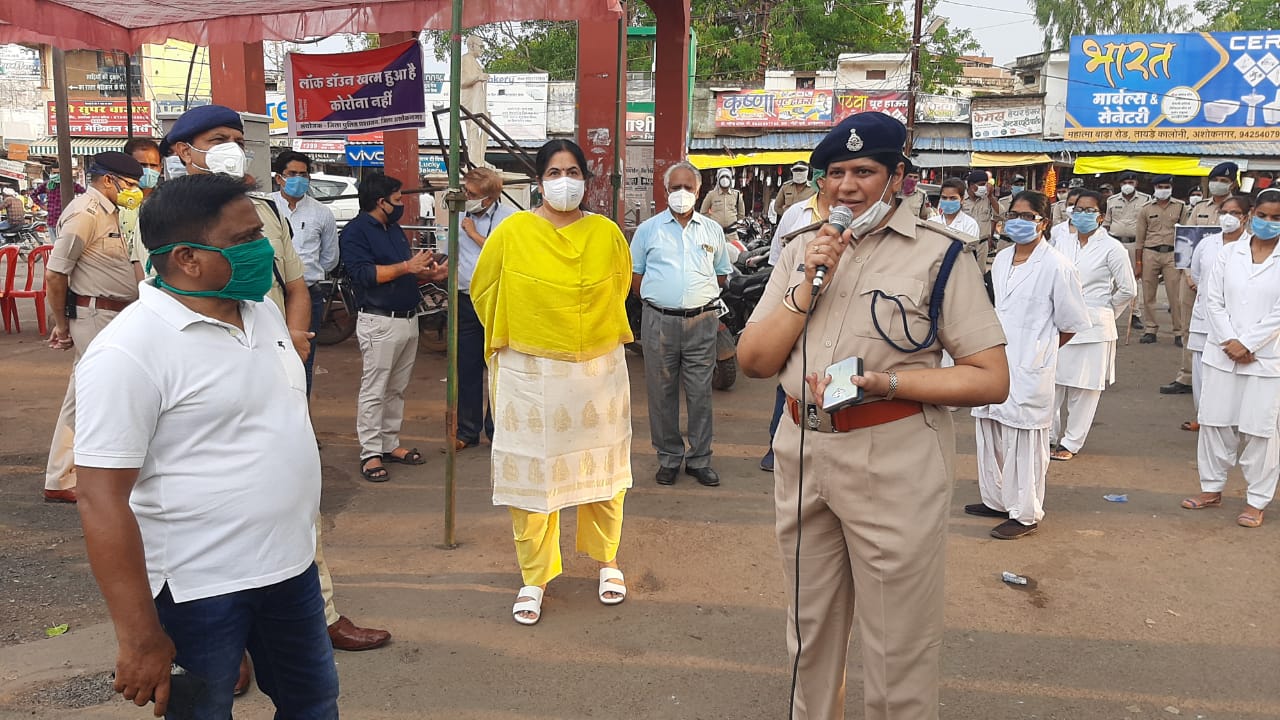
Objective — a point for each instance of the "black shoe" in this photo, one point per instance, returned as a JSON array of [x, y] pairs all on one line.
[[705, 476], [1012, 530], [1136, 322], [1175, 388], [667, 475], [1177, 341], [984, 510], [1147, 338]]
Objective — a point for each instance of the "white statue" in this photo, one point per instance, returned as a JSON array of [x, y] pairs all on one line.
[[475, 98]]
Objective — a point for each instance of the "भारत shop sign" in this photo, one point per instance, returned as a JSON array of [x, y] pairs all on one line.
[[1192, 87]]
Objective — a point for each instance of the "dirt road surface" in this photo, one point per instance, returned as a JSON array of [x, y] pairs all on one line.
[[1137, 610]]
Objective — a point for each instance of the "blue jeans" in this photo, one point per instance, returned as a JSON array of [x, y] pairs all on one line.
[[317, 317], [283, 628], [473, 411]]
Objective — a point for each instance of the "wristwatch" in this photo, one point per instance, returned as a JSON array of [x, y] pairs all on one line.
[[893, 385]]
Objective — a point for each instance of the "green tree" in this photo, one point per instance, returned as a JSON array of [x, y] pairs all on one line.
[[1231, 15], [1060, 19]]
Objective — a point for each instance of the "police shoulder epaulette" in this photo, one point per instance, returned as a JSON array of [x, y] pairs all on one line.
[[945, 231]]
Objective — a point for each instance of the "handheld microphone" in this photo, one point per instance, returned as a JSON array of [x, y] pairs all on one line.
[[841, 218]]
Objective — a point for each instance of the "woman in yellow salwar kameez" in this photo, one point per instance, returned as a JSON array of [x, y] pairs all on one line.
[[550, 289]]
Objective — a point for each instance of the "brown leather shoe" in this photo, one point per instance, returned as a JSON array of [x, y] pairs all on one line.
[[246, 674], [345, 635], [60, 496]]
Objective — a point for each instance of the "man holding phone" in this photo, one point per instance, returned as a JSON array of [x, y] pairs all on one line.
[[385, 273]]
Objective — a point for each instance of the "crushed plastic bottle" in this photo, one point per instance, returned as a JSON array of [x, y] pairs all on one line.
[[1012, 579], [1116, 498]]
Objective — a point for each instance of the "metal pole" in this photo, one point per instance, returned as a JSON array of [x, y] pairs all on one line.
[[619, 124], [66, 181], [455, 202], [128, 93], [914, 81]]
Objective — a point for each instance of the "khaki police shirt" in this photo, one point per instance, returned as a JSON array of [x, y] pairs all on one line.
[[980, 209], [288, 266], [790, 194], [1205, 212], [1155, 223], [724, 206], [1122, 214], [1058, 212], [902, 261], [91, 251], [917, 204]]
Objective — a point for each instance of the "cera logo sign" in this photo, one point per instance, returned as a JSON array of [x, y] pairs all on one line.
[[364, 155], [278, 111]]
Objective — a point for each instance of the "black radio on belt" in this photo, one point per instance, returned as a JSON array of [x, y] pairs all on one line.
[[70, 310]]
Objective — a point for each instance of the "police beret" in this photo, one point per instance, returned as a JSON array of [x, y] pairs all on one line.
[[860, 135], [800, 165], [1226, 169], [197, 120], [977, 176], [1016, 178], [1162, 179], [1126, 175], [115, 163], [1063, 185]]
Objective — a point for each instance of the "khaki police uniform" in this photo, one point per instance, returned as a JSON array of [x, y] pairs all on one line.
[[288, 266], [1204, 212], [980, 209], [91, 251], [917, 203], [790, 194], [1155, 237], [725, 207], [875, 501]]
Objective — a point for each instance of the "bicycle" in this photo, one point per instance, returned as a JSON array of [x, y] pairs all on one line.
[[339, 319]]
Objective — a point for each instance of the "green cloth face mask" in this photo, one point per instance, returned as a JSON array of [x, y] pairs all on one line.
[[252, 269]]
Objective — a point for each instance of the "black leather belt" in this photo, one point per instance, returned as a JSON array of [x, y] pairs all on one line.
[[695, 312], [1160, 248], [389, 313]]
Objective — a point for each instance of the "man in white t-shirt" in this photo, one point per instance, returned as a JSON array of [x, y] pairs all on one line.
[[199, 473]]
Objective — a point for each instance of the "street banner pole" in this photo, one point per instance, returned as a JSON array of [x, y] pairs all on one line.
[[455, 202]]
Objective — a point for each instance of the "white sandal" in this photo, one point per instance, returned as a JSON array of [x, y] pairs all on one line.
[[611, 581], [533, 605]]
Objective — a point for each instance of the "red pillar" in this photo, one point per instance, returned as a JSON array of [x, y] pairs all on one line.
[[600, 90], [400, 147], [671, 91], [236, 77]]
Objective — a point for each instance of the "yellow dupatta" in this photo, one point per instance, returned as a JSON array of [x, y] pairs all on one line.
[[557, 293]]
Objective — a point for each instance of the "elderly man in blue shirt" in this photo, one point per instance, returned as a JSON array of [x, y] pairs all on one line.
[[680, 262]]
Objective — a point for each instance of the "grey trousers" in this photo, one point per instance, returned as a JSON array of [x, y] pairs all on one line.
[[679, 352], [388, 346]]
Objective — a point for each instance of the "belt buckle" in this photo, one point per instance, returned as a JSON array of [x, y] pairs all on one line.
[[811, 416]]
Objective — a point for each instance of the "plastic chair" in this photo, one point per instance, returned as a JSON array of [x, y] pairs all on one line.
[[38, 256], [9, 263]]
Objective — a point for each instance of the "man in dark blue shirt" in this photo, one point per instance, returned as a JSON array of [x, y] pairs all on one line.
[[385, 273]]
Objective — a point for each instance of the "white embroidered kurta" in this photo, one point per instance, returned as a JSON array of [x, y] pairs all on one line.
[[1202, 262], [1035, 301], [1243, 303], [1106, 279]]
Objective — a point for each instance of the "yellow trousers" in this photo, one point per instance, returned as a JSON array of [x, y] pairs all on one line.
[[537, 537]]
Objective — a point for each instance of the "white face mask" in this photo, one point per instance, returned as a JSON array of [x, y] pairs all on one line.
[[981, 191], [564, 193], [1127, 189], [1194, 199], [227, 158], [475, 206], [1218, 188], [173, 167], [1229, 223], [799, 177], [681, 201], [724, 181], [1163, 193], [872, 216]]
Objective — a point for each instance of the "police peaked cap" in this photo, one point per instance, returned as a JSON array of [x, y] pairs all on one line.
[[116, 163], [977, 177], [1162, 179], [860, 135], [1127, 175], [1226, 169], [198, 120]]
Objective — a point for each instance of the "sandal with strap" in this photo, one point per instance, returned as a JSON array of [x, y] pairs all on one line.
[[373, 474], [1249, 521], [1191, 426], [410, 457], [1062, 454], [611, 581], [1195, 503], [532, 605]]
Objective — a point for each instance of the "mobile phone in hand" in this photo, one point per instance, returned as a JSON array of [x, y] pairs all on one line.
[[186, 692], [842, 393]]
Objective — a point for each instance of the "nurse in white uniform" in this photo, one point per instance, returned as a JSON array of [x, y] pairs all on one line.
[[1087, 365], [1233, 216], [1040, 306], [1240, 364]]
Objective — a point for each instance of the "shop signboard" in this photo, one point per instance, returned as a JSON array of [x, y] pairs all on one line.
[[319, 146], [942, 109], [852, 102], [1193, 87], [516, 102], [998, 122], [776, 109], [102, 118]]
